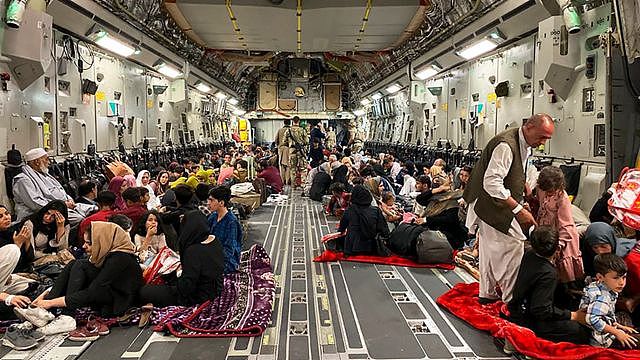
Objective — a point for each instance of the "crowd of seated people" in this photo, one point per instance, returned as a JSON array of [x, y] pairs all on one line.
[[106, 240], [568, 286], [576, 265]]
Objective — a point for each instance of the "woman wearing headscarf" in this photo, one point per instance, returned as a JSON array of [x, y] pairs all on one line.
[[600, 238], [363, 223], [341, 175], [118, 185], [50, 229], [115, 278], [375, 187], [202, 260], [131, 180], [143, 180]]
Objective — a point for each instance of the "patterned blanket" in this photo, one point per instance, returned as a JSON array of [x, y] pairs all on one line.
[[243, 308]]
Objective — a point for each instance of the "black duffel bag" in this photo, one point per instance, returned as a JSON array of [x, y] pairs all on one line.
[[402, 240], [432, 247]]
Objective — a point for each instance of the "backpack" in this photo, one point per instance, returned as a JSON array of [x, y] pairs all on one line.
[[432, 247], [402, 240], [14, 167]]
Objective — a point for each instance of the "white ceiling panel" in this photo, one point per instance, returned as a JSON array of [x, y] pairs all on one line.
[[326, 25]]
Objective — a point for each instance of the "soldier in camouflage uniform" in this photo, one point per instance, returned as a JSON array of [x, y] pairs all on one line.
[[298, 143]]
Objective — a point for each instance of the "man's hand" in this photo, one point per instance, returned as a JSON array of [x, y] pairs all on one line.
[[525, 219]]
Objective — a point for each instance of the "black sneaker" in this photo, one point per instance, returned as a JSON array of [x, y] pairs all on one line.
[[18, 338]]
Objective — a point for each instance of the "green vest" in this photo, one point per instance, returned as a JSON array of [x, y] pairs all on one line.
[[493, 211]]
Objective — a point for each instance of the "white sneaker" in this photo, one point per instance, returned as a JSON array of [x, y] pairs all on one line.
[[35, 315], [61, 324]]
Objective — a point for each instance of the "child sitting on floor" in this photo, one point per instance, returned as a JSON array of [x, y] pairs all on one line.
[[533, 304], [599, 301], [389, 208], [340, 200]]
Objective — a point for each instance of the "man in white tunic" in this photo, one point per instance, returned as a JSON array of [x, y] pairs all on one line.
[[495, 193], [35, 188]]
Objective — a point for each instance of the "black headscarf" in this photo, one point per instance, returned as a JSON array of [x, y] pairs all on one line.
[[361, 196], [340, 175], [194, 230], [361, 200], [48, 229]]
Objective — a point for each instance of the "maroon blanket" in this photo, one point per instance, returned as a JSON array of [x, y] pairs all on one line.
[[462, 301]]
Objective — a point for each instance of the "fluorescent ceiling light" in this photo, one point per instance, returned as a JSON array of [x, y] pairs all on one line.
[[359, 112], [481, 47], [110, 43], [203, 87], [376, 96], [233, 101], [220, 95], [428, 72], [239, 112], [393, 88], [365, 102], [114, 45], [167, 70]]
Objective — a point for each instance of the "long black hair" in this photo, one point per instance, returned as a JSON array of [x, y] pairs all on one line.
[[142, 228], [49, 229]]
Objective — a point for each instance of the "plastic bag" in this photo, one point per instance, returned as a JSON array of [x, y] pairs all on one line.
[[624, 204]]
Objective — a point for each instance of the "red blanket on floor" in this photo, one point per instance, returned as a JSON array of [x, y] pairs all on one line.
[[462, 301], [334, 253], [329, 255]]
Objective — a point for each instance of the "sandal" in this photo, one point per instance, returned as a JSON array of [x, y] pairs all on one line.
[[145, 315], [128, 315]]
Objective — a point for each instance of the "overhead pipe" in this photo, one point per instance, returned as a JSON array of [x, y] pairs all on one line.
[[414, 25]]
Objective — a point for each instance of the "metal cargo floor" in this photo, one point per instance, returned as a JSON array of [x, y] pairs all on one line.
[[322, 310]]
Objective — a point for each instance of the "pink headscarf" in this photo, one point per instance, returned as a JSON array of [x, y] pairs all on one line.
[[114, 186], [131, 180]]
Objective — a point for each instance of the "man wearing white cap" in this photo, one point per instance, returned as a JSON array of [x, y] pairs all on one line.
[[35, 188]]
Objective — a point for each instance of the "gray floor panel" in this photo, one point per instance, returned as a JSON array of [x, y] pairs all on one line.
[[316, 308], [433, 285], [113, 345], [385, 331], [201, 349], [299, 348], [434, 346], [349, 321], [242, 343], [159, 351], [411, 311]]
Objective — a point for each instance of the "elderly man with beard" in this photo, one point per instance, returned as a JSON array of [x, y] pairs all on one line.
[[35, 188]]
